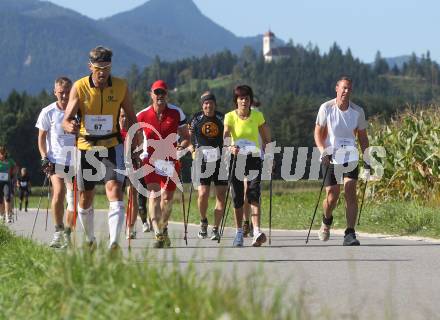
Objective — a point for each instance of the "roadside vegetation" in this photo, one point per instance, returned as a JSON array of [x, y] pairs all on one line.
[[39, 283]]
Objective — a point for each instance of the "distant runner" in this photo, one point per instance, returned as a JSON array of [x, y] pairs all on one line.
[[338, 124], [24, 188], [206, 131], [57, 155], [7, 171]]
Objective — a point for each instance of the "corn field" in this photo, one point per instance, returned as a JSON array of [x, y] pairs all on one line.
[[412, 163]]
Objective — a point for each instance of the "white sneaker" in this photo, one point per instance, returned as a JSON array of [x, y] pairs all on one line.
[[324, 232], [67, 240], [10, 218], [145, 227], [259, 239], [57, 241], [131, 234]]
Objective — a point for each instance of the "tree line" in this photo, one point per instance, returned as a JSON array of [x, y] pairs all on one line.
[[290, 91]]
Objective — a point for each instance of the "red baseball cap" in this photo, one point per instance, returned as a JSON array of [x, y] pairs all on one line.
[[159, 84]]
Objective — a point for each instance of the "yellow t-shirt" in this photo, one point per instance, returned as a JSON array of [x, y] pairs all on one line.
[[245, 133], [99, 112]]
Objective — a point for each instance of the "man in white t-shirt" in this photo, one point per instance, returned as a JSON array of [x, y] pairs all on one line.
[[338, 124], [57, 151]]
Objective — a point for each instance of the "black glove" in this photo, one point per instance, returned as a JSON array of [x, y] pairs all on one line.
[[47, 167]]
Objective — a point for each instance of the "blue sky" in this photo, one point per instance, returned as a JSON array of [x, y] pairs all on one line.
[[391, 26]]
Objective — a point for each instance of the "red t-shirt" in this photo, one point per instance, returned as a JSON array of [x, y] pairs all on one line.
[[163, 131]]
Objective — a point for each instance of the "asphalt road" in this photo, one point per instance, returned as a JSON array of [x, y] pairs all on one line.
[[384, 278]]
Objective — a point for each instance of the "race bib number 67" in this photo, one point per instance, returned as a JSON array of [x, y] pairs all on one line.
[[99, 125]]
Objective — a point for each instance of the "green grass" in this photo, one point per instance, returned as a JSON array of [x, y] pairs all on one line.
[[294, 203], [39, 283]]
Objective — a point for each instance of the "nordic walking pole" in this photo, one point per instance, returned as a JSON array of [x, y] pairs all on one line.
[[47, 207], [270, 209], [225, 212], [189, 201], [39, 203], [182, 199], [362, 203], [129, 211], [317, 203], [15, 203]]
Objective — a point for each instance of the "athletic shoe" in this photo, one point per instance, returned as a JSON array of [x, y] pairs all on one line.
[[259, 239], [67, 239], [131, 234], [166, 238], [350, 240], [203, 233], [246, 229], [159, 240], [57, 241], [324, 232], [10, 218], [145, 227], [91, 245], [238, 240], [114, 250], [214, 234]]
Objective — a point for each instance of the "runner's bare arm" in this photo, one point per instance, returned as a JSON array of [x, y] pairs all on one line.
[[320, 135], [363, 139], [183, 132], [42, 147], [227, 141], [69, 123], [265, 135], [127, 105]]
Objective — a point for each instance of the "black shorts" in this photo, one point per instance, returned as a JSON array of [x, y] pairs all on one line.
[[23, 192], [214, 177], [253, 191], [331, 179], [5, 191], [94, 168]]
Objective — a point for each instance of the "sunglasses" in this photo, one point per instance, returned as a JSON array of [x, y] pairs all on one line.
[[106, 67], [159, 92]]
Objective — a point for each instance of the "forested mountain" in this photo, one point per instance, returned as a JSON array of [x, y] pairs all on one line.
[[290, 91], [41, 41], [172, 29]]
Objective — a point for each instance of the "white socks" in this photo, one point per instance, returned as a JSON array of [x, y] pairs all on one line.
[[86, 218], [115, 220]]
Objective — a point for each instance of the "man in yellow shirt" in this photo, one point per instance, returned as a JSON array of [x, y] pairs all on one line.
[[97, 100]]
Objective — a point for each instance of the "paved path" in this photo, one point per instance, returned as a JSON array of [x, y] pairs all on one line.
[[383, 278]]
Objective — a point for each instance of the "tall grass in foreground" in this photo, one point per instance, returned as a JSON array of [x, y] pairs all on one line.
[[38, 283]]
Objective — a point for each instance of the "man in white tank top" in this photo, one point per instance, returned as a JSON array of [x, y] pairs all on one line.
[[338, 124]]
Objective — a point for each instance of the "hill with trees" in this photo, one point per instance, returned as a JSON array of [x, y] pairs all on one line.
[[290, 91]]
